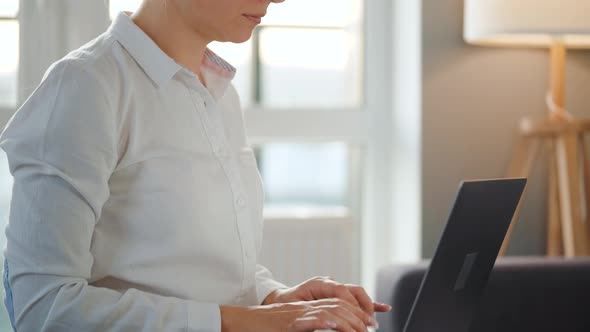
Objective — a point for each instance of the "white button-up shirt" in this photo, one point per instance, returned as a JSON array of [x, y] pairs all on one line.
[[137, 202]]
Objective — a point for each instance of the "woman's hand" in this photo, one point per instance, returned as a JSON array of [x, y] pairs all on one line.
[[327, 314], [325, 287]]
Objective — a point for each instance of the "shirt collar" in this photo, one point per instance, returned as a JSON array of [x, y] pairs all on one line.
[[158, 65]]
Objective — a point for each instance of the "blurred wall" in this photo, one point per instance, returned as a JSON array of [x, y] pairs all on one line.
[[472, 100]]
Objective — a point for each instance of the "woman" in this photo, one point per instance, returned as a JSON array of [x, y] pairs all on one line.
[[137, 204]]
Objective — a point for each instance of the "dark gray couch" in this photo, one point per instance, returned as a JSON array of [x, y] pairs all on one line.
[[523, 294]]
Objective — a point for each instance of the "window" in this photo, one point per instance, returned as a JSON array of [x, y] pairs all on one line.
[[307, 179], [298, 62], [9, 55]]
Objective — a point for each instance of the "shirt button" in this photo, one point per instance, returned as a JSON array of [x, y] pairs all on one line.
[[240, 201]]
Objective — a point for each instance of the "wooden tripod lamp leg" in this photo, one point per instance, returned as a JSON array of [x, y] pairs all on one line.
[[554, 240], [568, 163], [568, 174], [524, 156]]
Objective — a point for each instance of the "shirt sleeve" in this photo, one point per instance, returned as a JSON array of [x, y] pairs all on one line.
[[62, 148], [265, 284]]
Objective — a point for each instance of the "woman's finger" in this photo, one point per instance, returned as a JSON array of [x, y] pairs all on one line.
[[357, 323], [362, 298], [332, 289], [351, 310], [381, 307]]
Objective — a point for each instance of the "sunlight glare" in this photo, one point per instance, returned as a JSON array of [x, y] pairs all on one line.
[[335, 13], [306, 48], [8, 8], [236, 54], [117, 6], [10, 52]]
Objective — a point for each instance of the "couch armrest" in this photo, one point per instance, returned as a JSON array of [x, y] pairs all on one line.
[[523, 294]]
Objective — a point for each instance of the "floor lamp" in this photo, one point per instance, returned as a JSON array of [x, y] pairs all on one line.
[[557, 25]]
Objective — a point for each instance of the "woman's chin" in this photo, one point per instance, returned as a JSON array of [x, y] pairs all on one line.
[[241, 40], [241, 37]]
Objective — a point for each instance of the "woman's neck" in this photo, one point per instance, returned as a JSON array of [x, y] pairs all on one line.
[[166, 27]]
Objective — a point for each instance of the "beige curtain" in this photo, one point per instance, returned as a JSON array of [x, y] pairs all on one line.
[[49, 29]]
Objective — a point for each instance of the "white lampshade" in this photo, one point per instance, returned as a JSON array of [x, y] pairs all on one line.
[[534, 23]]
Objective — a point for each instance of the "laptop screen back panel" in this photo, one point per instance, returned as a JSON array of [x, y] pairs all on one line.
[[465, 256]]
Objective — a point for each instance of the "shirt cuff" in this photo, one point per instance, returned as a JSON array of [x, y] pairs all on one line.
[[264, 288], [204, 317]]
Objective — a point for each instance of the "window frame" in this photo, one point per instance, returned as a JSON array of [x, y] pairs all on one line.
[[369, 126], [347, 124]]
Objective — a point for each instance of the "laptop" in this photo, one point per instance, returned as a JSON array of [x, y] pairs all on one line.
[[455, 281]]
